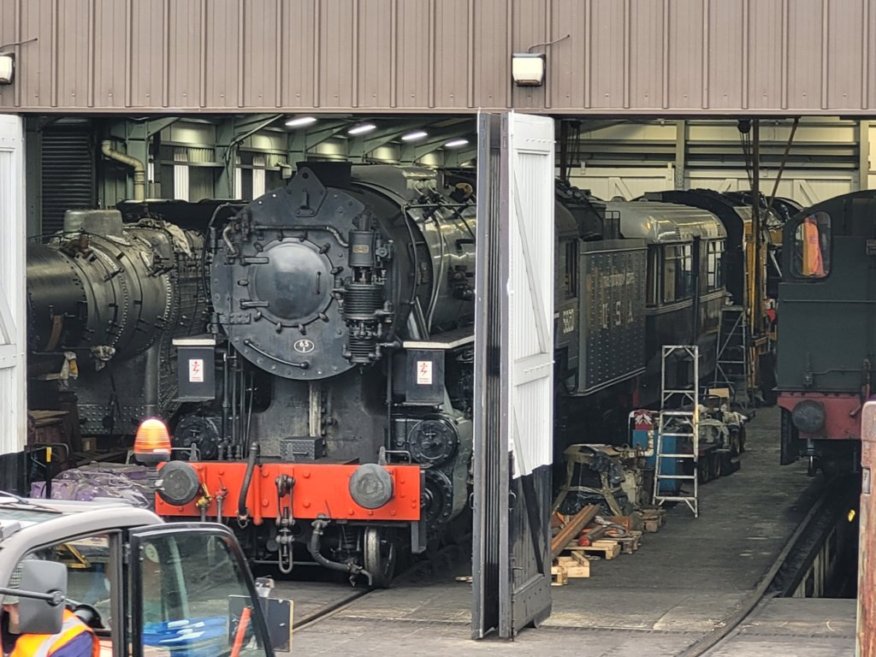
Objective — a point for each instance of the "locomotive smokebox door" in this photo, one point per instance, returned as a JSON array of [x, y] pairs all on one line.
[[425, 377], [195, 368]]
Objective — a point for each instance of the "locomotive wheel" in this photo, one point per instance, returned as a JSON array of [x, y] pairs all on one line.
[[379, 556]]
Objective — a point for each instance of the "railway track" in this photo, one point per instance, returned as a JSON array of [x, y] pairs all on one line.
[[785, 572]]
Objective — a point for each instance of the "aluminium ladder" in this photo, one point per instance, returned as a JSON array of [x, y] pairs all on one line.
[[733, 369], [679, 421]]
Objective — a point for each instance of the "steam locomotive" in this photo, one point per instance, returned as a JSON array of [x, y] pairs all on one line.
[[326, 412]]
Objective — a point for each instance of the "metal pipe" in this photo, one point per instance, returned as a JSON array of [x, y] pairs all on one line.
[[150, 392], [106, 147], [313, 547]]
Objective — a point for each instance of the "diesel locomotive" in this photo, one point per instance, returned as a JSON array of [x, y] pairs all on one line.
[[827, 330], [326, 410]]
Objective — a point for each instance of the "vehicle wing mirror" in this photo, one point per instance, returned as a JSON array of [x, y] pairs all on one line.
[[41, 616]]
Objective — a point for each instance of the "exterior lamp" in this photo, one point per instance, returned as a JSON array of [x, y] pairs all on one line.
[[7, 68], [527, 69]]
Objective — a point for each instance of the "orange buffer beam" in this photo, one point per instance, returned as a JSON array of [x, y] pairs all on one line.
[[320, 490]]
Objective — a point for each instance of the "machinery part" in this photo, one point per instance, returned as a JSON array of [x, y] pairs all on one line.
[[378, 556], [110, 292], [200, 431], [433, 441], [437, 499], [106, 147], [371, 486], [178, 483], [252, 460], [314, 547], [285, 521], [809, 416]]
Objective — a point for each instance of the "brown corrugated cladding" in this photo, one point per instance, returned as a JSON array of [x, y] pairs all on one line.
[[646, 57]]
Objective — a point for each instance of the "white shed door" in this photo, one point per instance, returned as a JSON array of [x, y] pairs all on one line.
[[13, 338], [528, 312]]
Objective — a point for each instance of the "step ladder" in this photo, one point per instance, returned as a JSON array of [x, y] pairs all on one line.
[[733, 367], [678, 428]]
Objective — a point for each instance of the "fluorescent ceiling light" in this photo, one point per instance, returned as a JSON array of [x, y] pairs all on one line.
[[456, 143], [300, 121], [416, 135], [361, 129]]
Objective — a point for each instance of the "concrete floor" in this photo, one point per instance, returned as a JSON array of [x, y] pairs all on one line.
[[685, 581]]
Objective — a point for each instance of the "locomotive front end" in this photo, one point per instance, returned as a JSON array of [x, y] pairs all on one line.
[[339, 430]]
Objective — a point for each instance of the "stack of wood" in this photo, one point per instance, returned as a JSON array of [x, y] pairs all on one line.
[[585, 536]]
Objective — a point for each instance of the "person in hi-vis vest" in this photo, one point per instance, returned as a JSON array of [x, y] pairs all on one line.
[[75, 639]]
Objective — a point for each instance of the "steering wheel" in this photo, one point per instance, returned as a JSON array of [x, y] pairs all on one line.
[[87, 614]]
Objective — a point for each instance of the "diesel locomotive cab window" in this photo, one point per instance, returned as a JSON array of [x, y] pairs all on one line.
[[714, 272], [812, 246], [677, 272]]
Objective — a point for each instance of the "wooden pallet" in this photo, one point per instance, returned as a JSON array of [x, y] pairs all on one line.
[[607, 548], [652, 519], [569, 567]]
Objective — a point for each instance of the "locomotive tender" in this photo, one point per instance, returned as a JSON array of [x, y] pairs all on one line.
[[328, 409], [827, 339]]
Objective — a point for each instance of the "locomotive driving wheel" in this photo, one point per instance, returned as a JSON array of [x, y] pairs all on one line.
[[379, 556]]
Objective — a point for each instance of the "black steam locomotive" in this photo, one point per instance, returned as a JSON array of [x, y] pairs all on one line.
[[327, 410]]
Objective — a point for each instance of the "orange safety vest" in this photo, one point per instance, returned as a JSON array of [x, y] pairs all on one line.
[[45, 645], [813, 264]]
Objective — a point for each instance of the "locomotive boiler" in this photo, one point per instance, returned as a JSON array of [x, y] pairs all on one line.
[[105, 301], [339, 419]]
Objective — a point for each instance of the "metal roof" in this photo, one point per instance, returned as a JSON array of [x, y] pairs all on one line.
[[660, 223]]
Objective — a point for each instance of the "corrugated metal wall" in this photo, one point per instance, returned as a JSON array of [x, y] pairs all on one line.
[[621, 56]]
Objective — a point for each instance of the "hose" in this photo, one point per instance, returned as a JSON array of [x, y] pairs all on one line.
[[242, 513], [313, 547]]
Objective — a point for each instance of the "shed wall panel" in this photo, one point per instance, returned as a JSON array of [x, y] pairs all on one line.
[[568, 81], [109, 70], [148, 42], [224, 31], [606, 79], [72, 53], [451, 50], [375, 48], [8, 34], [335, 54], [805, 31], [656, 57], [646, 53], [492, 64], [261, 45], [529, 29], [412, 54], [185, 46], [845, 35], [299, 54], [763, 82], [725, 43], [686, 53]]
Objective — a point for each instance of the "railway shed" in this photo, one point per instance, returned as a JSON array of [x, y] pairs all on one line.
[[468, 300]]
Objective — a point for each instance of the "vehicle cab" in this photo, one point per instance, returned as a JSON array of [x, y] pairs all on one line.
[[147, 588]]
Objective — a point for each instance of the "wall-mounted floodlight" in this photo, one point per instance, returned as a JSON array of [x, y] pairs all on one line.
[[416, 135], [527, 69], [300, 121], [7, 68], [456, 143], [361, 129]]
